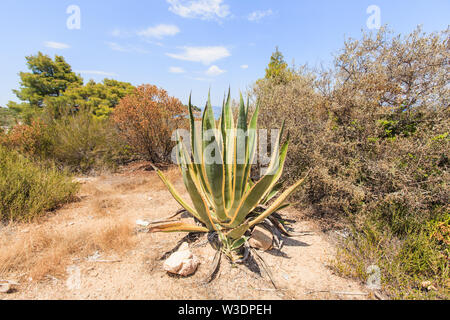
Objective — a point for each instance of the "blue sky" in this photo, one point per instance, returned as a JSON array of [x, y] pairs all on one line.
[[193, 45]]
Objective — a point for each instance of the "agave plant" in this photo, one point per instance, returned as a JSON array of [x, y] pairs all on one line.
[[216, 172]]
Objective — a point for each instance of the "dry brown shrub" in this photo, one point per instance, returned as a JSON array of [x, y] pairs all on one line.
[[31, 140], [147, 120], [373, 129]]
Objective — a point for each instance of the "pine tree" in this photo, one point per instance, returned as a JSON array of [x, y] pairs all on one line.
[[276, 66], [48, 78]]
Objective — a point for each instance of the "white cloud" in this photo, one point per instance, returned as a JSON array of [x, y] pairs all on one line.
[[56, 45], [176, 70], [202, 9], [258, 15], [159, 31], [118, 33], [214, 71], [97, 73], [205, 55], [200, 79], [127, 48], [116, 47], [244, 66]]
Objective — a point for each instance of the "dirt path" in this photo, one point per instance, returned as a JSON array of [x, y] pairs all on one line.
[[300, 270]]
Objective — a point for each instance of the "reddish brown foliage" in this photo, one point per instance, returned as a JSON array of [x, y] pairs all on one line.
[[147, 120], [27, 139]]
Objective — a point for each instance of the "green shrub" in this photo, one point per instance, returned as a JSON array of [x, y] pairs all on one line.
[[83, 143], [75, 140], [7, 117], [28, 190], [415, 267]]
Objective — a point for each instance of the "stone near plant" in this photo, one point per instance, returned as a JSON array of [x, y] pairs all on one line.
[[182, 262], [142, 223], [261, 239]]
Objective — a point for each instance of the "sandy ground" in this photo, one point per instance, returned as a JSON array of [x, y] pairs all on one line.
[[301, 269]]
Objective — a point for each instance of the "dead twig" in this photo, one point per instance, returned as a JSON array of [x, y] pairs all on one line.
[[264, 265], [169, 219], [264, 289], [105, 261], [215, 267], [10, 282]]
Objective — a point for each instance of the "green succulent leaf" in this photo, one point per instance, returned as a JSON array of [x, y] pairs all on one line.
[[193, 187], [212, 163], [278, 203], [239, 231], [238, 243], [273, 193]]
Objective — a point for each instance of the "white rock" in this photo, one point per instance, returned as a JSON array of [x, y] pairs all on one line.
[[184, 246], [189, 267], [142, 223], [175, 262], [182, 262], [94, 257]]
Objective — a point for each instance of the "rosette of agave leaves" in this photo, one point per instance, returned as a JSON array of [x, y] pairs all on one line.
[[216, 171]]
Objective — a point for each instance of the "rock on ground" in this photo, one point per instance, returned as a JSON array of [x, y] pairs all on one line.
[[182, 262]]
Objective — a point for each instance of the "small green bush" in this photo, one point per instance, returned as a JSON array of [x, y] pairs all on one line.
[[415, 267], [28, 189], [74, 140], [7, 117], [83, 143]]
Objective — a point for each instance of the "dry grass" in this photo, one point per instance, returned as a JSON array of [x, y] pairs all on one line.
[[45, 250], [91, 190], [172, 174], [49, 245], [130, 186], [104, 206]]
